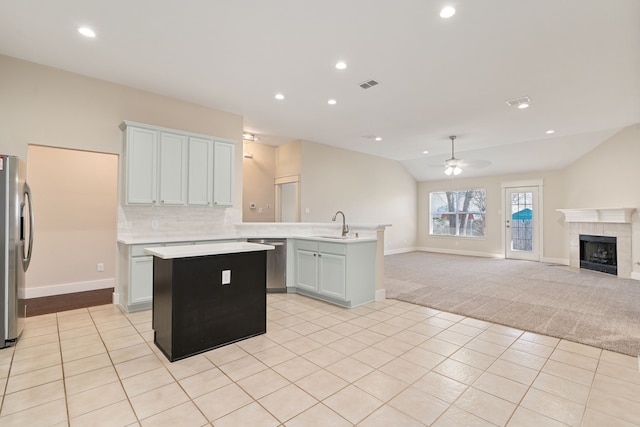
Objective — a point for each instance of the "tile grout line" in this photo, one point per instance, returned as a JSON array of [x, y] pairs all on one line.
[[164, 366], [64, 377]]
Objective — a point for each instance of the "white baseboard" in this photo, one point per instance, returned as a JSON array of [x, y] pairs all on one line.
[[460, 252], [399, 251], [67, 288], [115, 298], [635, 276], [560, 261], [381, 294]]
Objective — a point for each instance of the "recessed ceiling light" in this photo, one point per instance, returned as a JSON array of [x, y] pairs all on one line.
[[341, 65], [523, 105], [550, 131], [447, 12], [332, 102], [279, 96], [87, 32], [425, 152], [378, 138]]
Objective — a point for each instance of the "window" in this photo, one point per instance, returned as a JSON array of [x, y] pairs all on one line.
[[457, 213]]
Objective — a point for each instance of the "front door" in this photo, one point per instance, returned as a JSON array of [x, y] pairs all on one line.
[[521, 223]]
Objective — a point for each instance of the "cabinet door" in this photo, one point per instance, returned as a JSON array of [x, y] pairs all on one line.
[[173, 169], [141, 279], [332, 280], [223, 157], [307, 270], [200, 171], [142, 163]]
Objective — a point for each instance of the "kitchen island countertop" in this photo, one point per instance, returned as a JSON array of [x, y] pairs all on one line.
[[188, 251]]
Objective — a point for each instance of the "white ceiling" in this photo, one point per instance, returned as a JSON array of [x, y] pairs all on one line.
[[578, 60]]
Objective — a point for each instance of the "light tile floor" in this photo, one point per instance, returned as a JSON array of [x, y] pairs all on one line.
[[383, 364]]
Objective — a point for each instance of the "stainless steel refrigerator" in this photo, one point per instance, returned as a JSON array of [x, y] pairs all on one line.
[[16, 242]]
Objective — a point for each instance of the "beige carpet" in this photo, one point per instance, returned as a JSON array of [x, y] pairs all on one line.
[[586, 307]]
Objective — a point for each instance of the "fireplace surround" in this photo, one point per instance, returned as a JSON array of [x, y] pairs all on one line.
[[612, 222]]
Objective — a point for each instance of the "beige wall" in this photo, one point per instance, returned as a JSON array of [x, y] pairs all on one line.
[[49, 107], [609, 177], [554, 244], [288, 159], [258, 173], [368, 189], [75, 206], [43, 105]]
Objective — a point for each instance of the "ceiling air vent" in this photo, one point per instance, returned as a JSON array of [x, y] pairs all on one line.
[[518, 102], [369, 83]]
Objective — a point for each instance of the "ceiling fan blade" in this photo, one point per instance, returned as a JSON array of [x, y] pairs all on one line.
[[475, 164]]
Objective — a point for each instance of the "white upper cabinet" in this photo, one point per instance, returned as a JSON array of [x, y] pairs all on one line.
[[169, 167], [173, 169], [223, 174], [200, 171], [142, 165]]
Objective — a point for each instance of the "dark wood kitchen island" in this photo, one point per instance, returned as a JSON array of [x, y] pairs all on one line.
[[207, 296]]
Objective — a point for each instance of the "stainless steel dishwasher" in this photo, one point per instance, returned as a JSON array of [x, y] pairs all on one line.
[[276, 264]]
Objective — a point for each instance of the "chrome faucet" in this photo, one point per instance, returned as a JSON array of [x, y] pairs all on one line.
[[345, 227]]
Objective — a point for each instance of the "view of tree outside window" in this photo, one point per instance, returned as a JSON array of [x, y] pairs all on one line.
[[457, 213]]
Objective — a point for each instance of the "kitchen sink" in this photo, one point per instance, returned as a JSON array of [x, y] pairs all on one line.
[[335, 237]]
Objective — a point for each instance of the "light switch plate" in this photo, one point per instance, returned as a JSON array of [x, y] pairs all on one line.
[[226, 277]]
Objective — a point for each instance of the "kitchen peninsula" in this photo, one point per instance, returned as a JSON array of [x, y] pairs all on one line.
[[135, 265], [206, 296]]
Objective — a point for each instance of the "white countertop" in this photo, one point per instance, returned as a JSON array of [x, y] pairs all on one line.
[[188, 251], [254, 230], [173, 239], [145, 240]]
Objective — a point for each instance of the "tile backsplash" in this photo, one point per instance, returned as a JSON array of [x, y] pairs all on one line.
[[171, 221]]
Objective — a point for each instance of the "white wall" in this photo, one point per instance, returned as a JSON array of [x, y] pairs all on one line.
[[554, 244], [368, 189], [609, 177], [258, 173], [75, 207]]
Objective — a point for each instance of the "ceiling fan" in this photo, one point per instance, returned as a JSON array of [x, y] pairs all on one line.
[[453, 165]]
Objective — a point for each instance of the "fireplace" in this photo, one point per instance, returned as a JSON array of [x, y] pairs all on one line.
[[599, 253]]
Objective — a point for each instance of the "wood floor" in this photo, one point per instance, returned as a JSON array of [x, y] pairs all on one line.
[[64, 302]]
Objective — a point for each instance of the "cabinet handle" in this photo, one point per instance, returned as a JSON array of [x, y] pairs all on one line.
[[315, 254], [161, 201], [153, 201]]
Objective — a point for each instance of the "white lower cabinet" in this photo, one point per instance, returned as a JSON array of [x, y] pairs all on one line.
[[140, 279], [333, 274], [341, 273]]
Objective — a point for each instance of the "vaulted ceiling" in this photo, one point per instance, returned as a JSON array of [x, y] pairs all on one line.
[[577, 60]]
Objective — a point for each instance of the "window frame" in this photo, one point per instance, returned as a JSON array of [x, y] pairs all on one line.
[[458, 196]]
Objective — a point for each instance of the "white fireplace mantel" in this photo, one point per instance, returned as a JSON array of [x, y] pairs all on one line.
[[616, 215]]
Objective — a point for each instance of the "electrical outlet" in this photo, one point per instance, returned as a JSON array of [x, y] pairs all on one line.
[[226, 277], [100, 267]]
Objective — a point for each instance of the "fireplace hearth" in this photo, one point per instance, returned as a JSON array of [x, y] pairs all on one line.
[[599, 253]]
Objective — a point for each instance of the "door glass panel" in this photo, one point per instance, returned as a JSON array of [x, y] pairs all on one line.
[[522, 221]]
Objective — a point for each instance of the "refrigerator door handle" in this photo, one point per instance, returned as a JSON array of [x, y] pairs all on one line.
[[26, 253]]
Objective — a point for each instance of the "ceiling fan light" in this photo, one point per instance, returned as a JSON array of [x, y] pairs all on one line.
[[447, 12], [457, 170], [448, 171]]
